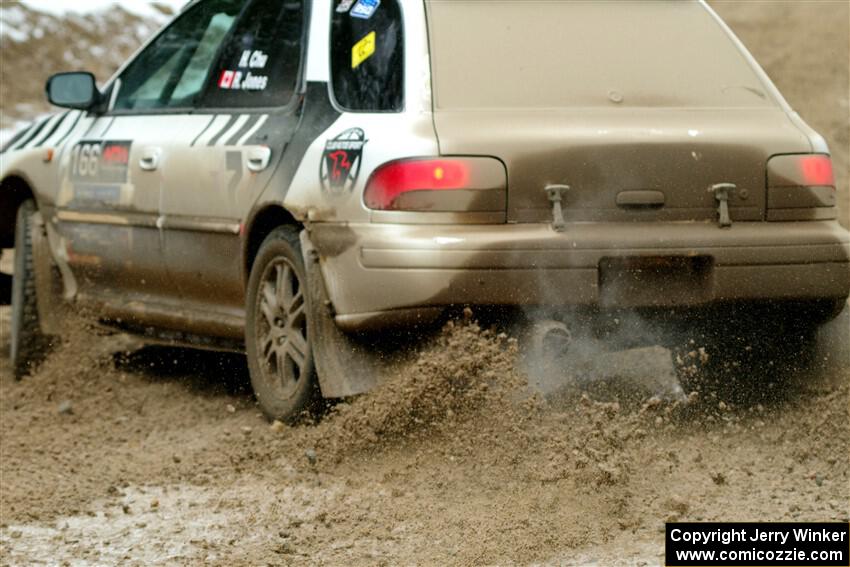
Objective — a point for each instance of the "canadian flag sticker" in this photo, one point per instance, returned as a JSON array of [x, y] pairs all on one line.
[[226, 79]]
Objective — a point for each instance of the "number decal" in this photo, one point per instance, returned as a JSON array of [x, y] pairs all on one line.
[[75, 159], [82, 168], [94, 160], [100, 161]]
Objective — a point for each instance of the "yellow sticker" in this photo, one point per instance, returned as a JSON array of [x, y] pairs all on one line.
[[362, 50]]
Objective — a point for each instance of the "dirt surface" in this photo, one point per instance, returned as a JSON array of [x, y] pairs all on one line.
[[112, 454], [116, 454]]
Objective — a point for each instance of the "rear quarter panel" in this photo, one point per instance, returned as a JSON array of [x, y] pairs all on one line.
[[804, 47], [388, 136]]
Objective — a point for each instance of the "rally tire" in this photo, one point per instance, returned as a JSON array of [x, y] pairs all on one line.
[[755, 360], [28, 344], [280, 357]]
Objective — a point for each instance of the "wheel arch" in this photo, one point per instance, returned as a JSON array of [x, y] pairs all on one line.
[[14, 190], [261, 224]]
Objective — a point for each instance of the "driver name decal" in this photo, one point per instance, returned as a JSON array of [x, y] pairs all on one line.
[[246, 80]]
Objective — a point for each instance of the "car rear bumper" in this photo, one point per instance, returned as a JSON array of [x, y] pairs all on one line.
[[375, 273]]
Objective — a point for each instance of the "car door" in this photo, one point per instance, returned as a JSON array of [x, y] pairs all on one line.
[[111, 194], [210, 183]]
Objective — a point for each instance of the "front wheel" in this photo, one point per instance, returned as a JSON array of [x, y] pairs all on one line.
[[28, 345], [280, 357]]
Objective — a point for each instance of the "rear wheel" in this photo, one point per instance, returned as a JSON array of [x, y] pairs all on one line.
[[29, 345], [749, 354], [280, 357]]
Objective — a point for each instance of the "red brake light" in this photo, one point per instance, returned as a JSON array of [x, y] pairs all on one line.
[[396, 178], [816, 170], [800, 170], [800, 187]]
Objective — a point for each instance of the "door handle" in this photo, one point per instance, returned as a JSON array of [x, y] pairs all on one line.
[[258, 158], [150, 159]]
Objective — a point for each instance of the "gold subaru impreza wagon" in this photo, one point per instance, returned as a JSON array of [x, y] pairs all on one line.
[[279, 178]]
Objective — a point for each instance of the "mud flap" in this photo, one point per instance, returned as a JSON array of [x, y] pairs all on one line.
[[345, 367], [48, 283], [59, 257]]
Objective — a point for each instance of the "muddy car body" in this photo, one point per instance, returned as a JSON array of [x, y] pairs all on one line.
[[282, 177]]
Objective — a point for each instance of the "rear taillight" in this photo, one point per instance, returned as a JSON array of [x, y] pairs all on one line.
[[807, 170], [800, 187], [817, 170], [445, 184]]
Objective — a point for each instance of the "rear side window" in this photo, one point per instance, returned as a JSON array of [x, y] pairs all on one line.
[[367, 55], [259, 63]]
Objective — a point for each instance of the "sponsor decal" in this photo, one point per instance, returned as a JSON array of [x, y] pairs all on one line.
[[115, 154], [344, 5], [88, 192], [362, 50], [364, 9], [340, 163]]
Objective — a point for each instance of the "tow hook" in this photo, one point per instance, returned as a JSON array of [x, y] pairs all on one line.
[[722, 194], [556, 196]]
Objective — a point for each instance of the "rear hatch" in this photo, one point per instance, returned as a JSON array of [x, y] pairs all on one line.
[[639, 107]]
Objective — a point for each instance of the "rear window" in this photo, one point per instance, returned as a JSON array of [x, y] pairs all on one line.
[[549, 54]]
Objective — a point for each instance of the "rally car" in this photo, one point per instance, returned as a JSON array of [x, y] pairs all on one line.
[[279, 177]]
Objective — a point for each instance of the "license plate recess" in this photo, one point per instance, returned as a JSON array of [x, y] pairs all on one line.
[[636, 281]]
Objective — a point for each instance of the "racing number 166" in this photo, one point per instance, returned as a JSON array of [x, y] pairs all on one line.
[[85, 159]]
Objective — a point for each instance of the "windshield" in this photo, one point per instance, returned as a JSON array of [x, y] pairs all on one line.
[[549, 54]]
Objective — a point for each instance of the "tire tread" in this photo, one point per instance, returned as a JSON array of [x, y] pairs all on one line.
[[29, 344]]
